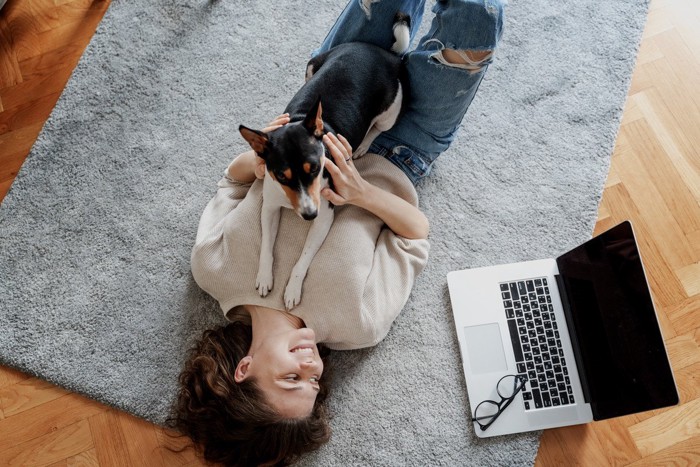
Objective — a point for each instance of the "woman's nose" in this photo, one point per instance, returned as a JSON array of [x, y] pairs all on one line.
[[309, 364]]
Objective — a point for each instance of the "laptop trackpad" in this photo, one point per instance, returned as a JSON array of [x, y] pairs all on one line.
[[485, 348]]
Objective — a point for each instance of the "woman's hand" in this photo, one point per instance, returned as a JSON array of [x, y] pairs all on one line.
[[350, 187], [248, 166], [399, 215]]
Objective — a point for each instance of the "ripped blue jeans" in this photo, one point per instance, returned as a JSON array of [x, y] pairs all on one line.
[[441, 90]]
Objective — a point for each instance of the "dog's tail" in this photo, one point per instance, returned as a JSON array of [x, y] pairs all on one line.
[[402, 33]]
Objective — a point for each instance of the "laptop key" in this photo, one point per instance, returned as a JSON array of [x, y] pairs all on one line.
[[532, 374], [518, 313], [514, 292], [546, 401], [527, 396], [537, 398], [504, 287], [510, 313], [555, 402], [544, 281], [514, 340], [527, 405], [530, 365], [522, 290], [521, 367], [530, 286], [564, 398], [538, 282]]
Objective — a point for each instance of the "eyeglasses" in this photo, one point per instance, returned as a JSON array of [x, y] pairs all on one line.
[[488, 411]]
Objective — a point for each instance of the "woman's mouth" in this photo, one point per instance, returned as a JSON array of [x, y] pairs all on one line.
[[303, 349]]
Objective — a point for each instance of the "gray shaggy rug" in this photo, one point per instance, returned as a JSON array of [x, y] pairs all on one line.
[[95, 234]]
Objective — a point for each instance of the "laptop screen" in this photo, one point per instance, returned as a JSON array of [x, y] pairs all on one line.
[[614, 329]]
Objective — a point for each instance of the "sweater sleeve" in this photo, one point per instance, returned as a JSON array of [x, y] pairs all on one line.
[[229, 194], [396, 264]]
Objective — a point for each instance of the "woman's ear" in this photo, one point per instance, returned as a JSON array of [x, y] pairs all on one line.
[[242, 369]]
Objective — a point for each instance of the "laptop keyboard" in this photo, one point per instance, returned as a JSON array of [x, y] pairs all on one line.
[[539, 355]]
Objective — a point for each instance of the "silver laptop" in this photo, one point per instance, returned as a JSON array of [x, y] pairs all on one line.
[[561, 341]]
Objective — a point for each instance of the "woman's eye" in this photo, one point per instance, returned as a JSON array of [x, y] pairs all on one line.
[[292, 377], [314, 379]]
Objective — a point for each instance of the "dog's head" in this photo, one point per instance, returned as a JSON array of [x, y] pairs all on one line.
[[294, 156]]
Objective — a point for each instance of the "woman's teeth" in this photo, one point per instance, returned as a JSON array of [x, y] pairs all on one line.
[[303, 350]]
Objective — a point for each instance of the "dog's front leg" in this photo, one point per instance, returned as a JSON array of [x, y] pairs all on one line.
[[314, 240], [270, 220], [366, 142]]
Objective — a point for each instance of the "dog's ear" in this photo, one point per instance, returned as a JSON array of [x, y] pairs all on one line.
[[313, 121], [257, 139]]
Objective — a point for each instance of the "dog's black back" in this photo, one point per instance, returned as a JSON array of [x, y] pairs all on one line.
[[356, 82]]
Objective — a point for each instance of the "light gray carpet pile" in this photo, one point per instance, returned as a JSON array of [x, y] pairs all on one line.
[[95, 234]]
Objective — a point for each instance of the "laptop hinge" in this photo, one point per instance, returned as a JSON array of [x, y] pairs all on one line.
[[574, 337]]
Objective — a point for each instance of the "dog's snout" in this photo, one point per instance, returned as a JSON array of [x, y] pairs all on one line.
[[309, 216]]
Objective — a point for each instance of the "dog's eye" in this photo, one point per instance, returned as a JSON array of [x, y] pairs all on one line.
[[314, 170], [280, 176]]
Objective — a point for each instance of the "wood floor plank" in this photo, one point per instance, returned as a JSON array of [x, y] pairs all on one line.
[[685, 315], [109, 440], [64, 33], [46, 418], [663, 431], [21, 139], [176, 450], [683, 351], [50, 448], [143, 446], [10, 165], [51, 82], [686, 68], [9, 376], [28, 113], [676, 146], [684, 454], [578, 443], [84, 459], [10, 73], [675, 92], [657, 216], [40, 65], [616, 442], [27, 394], [688, 382], [690, 278]]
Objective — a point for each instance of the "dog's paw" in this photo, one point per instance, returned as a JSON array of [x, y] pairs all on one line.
[[360, 151], [292, 294], [263, 282]]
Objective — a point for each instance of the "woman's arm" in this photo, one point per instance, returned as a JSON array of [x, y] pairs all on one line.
[[246, 167], [400, 216]]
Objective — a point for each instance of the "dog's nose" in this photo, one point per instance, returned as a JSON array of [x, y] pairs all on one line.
[[309, 216]]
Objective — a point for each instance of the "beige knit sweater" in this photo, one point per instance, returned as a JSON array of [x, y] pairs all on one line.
[[358, 281]]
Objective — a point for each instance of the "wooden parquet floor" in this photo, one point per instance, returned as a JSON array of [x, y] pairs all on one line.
[[654, 180]]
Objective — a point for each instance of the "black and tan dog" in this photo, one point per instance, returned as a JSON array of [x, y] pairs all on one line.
[[355, 89]]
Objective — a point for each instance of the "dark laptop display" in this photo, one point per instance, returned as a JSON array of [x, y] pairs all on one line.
[[615, 333]]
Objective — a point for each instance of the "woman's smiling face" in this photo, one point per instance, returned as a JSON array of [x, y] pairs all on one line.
[[286, 367]]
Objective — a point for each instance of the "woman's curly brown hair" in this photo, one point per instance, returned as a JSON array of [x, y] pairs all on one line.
[[231, 423]]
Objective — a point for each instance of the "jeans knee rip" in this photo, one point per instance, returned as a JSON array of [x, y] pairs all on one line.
[[472, 61]]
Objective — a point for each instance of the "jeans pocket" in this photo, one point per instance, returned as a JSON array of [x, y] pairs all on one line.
[[413, 161]]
